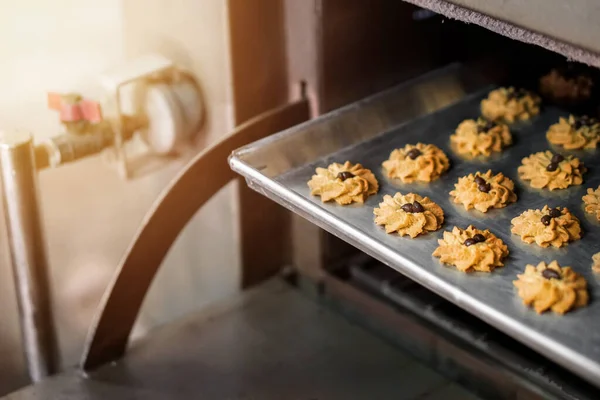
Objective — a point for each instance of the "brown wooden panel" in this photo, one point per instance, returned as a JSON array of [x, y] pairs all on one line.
[[258, 56], [259, 83], [369, 46]]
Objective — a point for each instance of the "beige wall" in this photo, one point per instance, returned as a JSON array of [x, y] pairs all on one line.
[[90, 214], [52, 45]]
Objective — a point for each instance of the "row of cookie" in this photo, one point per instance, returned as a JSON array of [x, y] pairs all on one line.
[[347, 183], [475, 138], [544, 287], [469, 249], [569, 85], [483, 191], [352, 183], [413, 215], [427, 162], [503, 106]]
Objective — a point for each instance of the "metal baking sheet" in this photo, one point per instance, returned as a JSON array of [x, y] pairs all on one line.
[[367, 132]]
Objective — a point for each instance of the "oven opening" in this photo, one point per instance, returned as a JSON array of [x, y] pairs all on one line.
[[404, 78]]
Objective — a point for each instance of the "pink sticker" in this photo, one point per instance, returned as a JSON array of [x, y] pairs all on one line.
[[91, 111], [70, 113]]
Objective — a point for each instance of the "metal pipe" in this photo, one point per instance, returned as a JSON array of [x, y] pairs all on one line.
[[62, 149], [67, 148], [18, 179]]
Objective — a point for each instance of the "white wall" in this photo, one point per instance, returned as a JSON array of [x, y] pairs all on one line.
[[52, 45], [90, 215]]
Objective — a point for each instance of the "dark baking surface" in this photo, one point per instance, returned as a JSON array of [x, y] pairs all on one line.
[[569, 28], [572, 340]]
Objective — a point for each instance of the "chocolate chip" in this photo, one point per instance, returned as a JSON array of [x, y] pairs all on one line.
[[557, 158], [488, 125], [550, 274], [413, 153], [516, 94], [546, 220], [479, 180], [582, 121], [486, 187], [552, 167], [345, 175], [470, 242], [555, 213], [407, 208], [479, 238], [417, 207]]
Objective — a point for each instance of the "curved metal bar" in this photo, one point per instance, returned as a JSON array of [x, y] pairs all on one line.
[[109, 334]]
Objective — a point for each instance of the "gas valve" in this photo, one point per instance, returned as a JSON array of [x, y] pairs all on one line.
[[150, 97]]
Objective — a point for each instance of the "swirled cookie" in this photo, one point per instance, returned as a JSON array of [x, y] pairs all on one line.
[[552, 287], [421, 162], [566, 86], [553, 171], [409, 214], [484, 191], [596, 262], [547, 227], [481, 137], [471, 250], [575, 133], [510, 105], [345, 183], [592, 202]]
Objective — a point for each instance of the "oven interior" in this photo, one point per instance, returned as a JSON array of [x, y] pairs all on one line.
[[364, 49]]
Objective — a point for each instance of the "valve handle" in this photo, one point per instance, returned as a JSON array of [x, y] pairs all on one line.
[[73, 108]]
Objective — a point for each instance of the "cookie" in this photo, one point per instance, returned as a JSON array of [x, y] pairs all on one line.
[[345, 183], [510, 105], [566, 86], [575, 133], [421, 162], [480, 138], [409, 214], [592, 202], [547, 227], [596, 262], [552, 171], [484, 191], [471, 250], [552, 287]]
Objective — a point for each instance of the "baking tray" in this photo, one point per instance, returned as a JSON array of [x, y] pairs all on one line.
[[428, 110]]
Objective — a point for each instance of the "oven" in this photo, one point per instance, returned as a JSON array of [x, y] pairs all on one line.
[[369, 77]]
